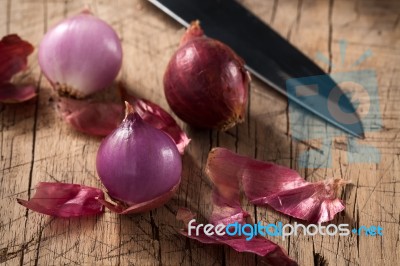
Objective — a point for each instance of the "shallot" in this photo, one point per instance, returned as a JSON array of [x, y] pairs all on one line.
[[80, 55], [206, 82], [139, 165]]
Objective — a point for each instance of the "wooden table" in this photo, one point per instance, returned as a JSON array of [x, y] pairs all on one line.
[[37, 146]]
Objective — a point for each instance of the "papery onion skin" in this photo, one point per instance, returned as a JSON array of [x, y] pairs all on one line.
[[138, 163], [80, 55], [100, 118], [160, 119], [89, 117], [13, 56], [266, 183], [206, 83], [157, 117], [65, 200], [9, 93], [121, 208], [272, 252]]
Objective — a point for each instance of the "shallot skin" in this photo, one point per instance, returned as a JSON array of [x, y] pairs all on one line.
[[206, 83], [80, 55], [138, 163], [14, 54]]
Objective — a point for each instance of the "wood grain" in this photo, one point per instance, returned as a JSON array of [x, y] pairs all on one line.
[[37, 146]]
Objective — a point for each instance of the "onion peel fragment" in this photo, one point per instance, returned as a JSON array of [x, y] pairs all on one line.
[[261, 246], [13, 57], [157, 117], [102, 118], [123, 208], [279, 187], [272, 252], [65, 200], [9, 93], [227, 210], [92, 118]]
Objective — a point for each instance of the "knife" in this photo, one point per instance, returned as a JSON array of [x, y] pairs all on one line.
[[270, 58]]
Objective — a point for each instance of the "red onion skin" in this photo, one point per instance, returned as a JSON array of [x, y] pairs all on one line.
[[80, 55], [122, 208], [14, 54], [65, 200], [266, 183], [91, 117], [9, 93], [272, 253], [206, 83], [138, 163], [157, 117]]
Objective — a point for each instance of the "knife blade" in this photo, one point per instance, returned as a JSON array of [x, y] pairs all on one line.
[[269, 57]]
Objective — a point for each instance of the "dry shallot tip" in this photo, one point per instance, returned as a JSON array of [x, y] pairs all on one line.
[[334, 184], [128, 109], [65, 200], [195, 24], [339, 182], [194, 31]]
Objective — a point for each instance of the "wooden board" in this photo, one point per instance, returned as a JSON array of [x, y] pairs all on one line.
[[37, 146]]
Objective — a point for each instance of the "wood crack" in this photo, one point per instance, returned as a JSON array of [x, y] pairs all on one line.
[[330, 33], [34, 128], [274, 8], [8, 22], [156, 235]]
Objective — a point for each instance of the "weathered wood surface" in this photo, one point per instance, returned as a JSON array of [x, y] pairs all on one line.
[[37, 146]]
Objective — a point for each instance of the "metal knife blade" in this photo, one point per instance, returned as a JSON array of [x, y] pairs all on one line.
[[268, 56]]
